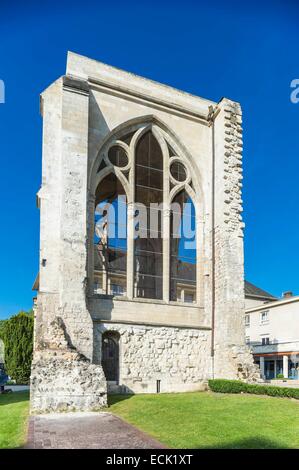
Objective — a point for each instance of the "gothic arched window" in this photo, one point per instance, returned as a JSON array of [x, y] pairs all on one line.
[[183, 249], [110, 238], [148, 244], [142, 165]]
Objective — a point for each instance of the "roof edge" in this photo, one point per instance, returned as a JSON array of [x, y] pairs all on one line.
[[90, 69]]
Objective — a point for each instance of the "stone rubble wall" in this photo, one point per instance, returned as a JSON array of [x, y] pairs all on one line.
[[63, 379], [240, 361], [233, 145], [247, 370], [232, 359], [66, 383], [66, 370], [179, 357]]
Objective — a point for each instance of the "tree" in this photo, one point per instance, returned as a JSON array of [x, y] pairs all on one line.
[[17, 335], [2, 323]]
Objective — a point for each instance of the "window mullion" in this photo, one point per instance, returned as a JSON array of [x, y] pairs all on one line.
[[130, 229], [166, 229]]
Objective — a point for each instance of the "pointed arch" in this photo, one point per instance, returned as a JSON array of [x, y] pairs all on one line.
[[118, 174], [163, 133], [183, 248], [149, 189], [110, 236], [183, 187], [150, 260]]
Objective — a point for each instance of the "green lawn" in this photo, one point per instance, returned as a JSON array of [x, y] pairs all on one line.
[[14, 408], [186, 420], [211, 420]]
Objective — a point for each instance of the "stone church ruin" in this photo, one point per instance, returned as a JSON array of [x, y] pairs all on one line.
[[145, 313]]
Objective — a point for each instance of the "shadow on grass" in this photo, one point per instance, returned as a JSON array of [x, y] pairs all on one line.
[[13, 397], [112, 399], [249, 443]]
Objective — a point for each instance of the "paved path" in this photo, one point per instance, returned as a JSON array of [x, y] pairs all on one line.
[[17, 388], [85, 431]]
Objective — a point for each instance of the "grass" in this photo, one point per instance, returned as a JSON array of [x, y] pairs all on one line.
[[185, 420], [213, 421], [14, 409]]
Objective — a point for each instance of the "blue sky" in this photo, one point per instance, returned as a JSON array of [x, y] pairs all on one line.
[[245, 51]]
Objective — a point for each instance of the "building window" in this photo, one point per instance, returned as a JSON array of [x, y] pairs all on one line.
[[189, 298], [265, 340], [178, 172], [117, 289], [148, 244], [110, 239], [265, 317], [118, 156], [247, 339], [182, 248], [144, 169], [247, 320], [97, 288]]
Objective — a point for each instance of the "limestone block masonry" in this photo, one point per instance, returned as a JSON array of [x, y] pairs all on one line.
[[171, 343], [229, 260], [178, 358], [64, 380]]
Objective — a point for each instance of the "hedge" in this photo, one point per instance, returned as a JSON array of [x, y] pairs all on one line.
[[235, 386]]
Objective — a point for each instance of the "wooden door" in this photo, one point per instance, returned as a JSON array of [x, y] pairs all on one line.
[[110, 356]]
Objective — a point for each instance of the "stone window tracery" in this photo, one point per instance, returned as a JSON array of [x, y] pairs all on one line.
[[146, 171], [148, 250], [110, 238], [117, 156], [183, 249]]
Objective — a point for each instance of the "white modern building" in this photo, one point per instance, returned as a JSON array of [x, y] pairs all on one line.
[[272, 331]]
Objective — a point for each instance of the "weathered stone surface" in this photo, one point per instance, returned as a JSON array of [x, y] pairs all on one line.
[[63, 379], [159, 340], [232, 359], [179, 358], [64, 383], [242, 359]]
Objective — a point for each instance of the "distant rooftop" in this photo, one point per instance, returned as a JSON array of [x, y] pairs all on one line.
[[253, 291]]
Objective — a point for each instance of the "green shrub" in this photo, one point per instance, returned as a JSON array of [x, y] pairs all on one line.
[[226, 386], [17, 335], [280, 376], [11, 382], [236, 386]]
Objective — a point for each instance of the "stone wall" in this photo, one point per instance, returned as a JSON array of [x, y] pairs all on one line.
[[229, 347], [66, 382], [80, 111], [178, 357], [63, 204], [62, 379]]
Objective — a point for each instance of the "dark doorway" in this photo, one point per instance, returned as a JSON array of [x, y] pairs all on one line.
[[110, 355], [269, 370]]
